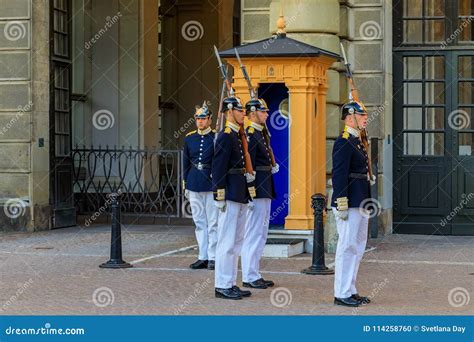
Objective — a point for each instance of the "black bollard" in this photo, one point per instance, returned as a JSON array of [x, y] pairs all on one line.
[[318, 202], [116, 242]]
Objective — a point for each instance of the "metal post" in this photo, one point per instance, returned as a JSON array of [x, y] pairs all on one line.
[[318, 202], [116, 240]]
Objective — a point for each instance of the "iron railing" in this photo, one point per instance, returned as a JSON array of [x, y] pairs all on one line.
[[148, 180]]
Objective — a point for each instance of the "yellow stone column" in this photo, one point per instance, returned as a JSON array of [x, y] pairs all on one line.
[[301, 156]]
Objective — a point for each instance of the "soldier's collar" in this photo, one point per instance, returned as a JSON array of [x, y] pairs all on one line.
[[204, 131], [257, 126], [233, 126], [354, 131]]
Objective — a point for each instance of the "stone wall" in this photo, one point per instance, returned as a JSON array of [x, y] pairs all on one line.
[[24, 115]]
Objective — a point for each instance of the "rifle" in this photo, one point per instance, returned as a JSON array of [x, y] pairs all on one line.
[[230, 92], [354, 95], [220, 115], [253, 96]]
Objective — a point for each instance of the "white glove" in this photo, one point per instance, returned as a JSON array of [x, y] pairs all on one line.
[[220, 205], [342, 214], [275, 169], [251, 205], [186, 194], [373, 180], [250, 177]]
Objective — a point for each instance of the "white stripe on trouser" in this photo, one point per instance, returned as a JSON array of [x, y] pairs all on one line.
[[256, 231], [350, 250], [205, 218], [230, 235]]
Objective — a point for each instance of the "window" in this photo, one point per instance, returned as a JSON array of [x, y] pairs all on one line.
[[433, 22], [465, 19], [423, 21], [462, 119], [424, 105]]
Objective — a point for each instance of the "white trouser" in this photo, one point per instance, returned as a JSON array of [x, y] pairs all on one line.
[[350, 250], [205, 218], [256, 231], [230, 235]]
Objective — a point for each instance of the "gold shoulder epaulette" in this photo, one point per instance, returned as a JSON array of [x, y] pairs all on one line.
[[227, 130], [345, 133], [192, 132], [251, 130]]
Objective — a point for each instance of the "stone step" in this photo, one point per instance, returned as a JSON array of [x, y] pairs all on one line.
[[283, 247]]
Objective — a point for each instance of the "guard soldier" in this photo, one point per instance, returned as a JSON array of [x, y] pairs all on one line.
[[197, 160], [258, 219], [232, 194], [351, 193]]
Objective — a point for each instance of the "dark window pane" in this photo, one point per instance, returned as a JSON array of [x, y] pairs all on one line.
[[434, 31], [434, 118], [434, 93], [412, 118], [434, 8], [466, 144], [465, 7], [434, 68], [412, 8], [466, 66], [56, 123], [413, 67], [412, 31], [466, 92], [434, 144], [412, 143], [412, 93]]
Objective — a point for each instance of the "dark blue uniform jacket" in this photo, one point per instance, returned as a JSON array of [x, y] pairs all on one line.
[[349, 159], [228, 160], [197, 161], [260, 155]]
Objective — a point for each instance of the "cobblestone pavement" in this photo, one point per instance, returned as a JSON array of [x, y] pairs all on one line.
[[56, 272]]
